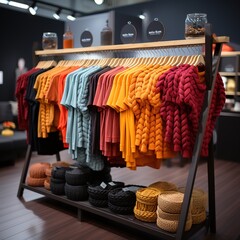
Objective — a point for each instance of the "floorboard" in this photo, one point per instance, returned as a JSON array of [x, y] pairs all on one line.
[[35, 217]]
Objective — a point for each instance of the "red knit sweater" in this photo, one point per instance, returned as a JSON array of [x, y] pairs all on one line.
[[182, 93]]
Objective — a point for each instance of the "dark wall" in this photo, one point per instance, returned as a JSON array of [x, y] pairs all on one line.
[[223, 15], [21, 34]]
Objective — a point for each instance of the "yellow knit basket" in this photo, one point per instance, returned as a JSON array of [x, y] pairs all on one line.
[[145, 216], [199, 217], [170, 216], [147, 195], [163, 186], [171, 225], [171, 201], [199, 200], [146, 207]]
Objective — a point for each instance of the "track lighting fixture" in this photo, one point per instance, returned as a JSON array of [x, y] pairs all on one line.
[[18, 5], [4, 1], [56, 15], [99, 2], [38, 5], [33, 9], [71, 17], [142, 16]]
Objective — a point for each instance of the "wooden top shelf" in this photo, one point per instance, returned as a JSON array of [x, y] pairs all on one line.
[[135, 46], [230, 54]]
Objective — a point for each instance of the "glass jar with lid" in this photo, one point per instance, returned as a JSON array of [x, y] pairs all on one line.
[[106, 35], [195, 25], [49, 40]]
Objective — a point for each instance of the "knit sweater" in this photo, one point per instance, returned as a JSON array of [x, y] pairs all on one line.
[[182, 91]]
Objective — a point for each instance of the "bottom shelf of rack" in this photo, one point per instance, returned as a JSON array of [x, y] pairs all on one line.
[[127, 220]]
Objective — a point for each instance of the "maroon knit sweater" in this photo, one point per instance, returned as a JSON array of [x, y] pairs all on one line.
[[182, 94]]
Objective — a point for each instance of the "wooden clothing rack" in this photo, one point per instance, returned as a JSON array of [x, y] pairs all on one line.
[[212, 63]]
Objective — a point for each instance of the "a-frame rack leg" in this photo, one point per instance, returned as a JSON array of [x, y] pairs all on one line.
[[212, 65]]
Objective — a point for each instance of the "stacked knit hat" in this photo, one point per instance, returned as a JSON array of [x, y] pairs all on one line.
[[163, 186], [199, 201], [122, 200], [146, 202], [77, 179], [169, 209], [48, 172], [37, 175], [57, 183], [98, 193]]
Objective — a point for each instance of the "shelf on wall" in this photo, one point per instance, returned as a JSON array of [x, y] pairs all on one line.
[[229, 74], [232, 93], [230, 54], [135, 46]]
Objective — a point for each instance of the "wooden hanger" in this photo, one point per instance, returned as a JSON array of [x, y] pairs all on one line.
[[46, 64]]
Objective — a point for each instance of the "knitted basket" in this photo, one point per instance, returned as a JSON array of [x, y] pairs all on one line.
[[171, 225], [48, 172], [98, 202], [125, 196], [47, 184], [56, 180], [76, 176], [35, 182], [59, 172], [199, 200], [147, 196], [61, 164], [101, 191], [37, 170], [171, 201], [76, 193], [163, 186], [199, 217], [151, 207], [57, 186], [170, 216], [120, 209], [145, 216]]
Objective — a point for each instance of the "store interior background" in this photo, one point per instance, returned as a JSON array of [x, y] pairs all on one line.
[[21, 35]]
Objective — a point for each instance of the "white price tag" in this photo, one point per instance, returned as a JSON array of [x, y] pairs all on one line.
[[103, 185]]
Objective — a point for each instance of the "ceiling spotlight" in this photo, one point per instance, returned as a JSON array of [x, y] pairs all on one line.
[[33, 9], [142, 16], [17, 4], [71, 17], [56, 15], [4, 1], [99, 2]]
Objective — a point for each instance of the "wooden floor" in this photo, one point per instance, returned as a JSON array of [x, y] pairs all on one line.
[[37, 217]]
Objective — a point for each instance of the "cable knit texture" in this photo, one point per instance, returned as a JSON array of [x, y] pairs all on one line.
[[182, 89]]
